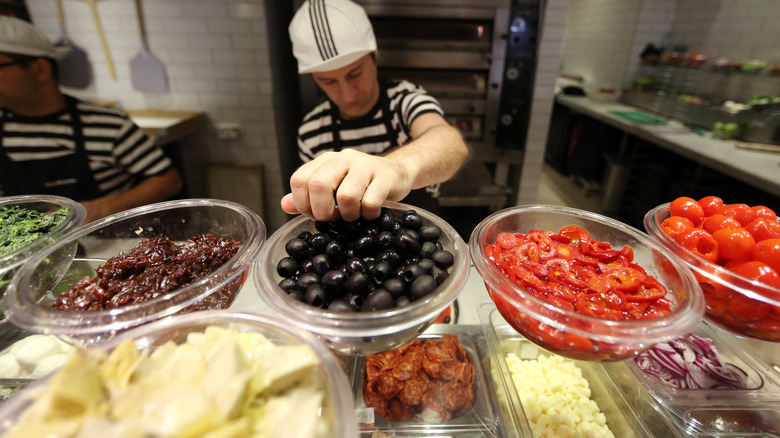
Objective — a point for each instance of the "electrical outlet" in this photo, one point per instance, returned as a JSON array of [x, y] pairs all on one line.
[[228, 130]]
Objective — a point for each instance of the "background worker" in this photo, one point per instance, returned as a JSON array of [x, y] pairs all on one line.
[[51, 143], [372, 139]]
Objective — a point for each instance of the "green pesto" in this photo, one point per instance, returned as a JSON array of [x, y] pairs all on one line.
[[20, 226]]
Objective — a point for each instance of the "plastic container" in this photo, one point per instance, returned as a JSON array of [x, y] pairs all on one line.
[[570, 333], [502, 339], [337, 406], [734, 303], [9, 262], [361, 333], [485, 419], [720, 412], [54, 270]]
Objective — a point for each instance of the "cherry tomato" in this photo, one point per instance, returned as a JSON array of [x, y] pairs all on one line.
[[734, 243], [761, 228], [768, 251], [687, 207], [762, 211], [701, 243], [741, 212], [710, 204], [756, 270], [717, 221], [674, 225], [743, 308]]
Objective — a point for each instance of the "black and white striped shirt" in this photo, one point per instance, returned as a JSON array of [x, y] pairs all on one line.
[[369, 134], [120, 153]]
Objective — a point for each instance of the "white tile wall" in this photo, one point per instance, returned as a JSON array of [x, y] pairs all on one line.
[[216, 57], [549, 56]]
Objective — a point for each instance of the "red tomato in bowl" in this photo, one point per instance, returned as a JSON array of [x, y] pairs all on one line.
[[687, 207], [741, 212], [756, 270], [763, 211], [674, 225], [768, 251], [734, 243], [710, 204], [763, 228], [717, 221], [701, 243]]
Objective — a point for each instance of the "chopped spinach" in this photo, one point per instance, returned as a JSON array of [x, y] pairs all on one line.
[[20, 226]]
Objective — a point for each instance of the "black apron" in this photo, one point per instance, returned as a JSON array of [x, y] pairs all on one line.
[[68, 176], [418, 197]]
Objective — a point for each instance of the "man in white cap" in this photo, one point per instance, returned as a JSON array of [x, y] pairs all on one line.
[[372, 140], [51, 143]]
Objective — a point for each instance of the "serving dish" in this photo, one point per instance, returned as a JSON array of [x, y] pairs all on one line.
[[486, 417], [571, 333], [366, 332], [735, 303], [58, 267], [337, 409], [502, 339]]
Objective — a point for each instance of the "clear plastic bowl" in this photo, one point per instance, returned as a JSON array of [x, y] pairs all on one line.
[[361, 333], [57, 268], [338, 404], [712, 412], [567, 332], [735, 303], [43, 204]]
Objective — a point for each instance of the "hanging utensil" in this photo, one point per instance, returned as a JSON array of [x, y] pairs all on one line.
[[103, 42], [74, 68], [146, 71]]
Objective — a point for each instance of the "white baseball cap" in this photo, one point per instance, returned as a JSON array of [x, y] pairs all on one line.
[[330, 34], [20, 37]]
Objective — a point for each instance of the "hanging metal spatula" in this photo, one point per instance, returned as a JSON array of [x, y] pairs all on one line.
[[146, 71], [74, 68]]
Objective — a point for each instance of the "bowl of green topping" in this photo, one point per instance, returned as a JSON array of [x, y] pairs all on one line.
[[29, 223]]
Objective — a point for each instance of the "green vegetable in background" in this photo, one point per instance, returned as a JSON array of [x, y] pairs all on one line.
[[20, 226]]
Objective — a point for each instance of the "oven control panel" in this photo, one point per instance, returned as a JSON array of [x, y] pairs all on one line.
[[519, 71]]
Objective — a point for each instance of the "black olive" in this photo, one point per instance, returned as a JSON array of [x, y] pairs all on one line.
[[386, 219], [297, 248], [288, 285], [335, 250], [307, 279], [440, 274], [297, 295], [354, 228], [287, 267], [426, 264], [305, 266], [412, 272], [430, 233], [389, 256], [402, 301], [322, 226], [412, 261], [350, 253], [316, 296], [319, 242], [356, 301], [397, 226], [304, 235], [395, 286], [412, 220], [321, 263], [355, 264], [364, 245], [334, 281], [372, 229], [378, 300], [381, 271], [427, 249], [384, 239], [358, 284], [422, 286], [341, 306], [443, 258], [406, 242]]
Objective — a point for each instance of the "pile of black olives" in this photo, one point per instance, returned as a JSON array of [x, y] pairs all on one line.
[[365, 265]]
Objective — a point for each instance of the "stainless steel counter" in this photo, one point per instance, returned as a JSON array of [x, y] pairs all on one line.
[[759, 169]]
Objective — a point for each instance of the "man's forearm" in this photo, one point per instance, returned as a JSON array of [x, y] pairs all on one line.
[[434, 157], [153, 189]]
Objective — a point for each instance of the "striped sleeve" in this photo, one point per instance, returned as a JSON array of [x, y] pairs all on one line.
[[137, 153]]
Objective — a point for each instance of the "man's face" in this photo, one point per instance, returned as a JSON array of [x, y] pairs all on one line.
[[353, 88], [16, 82]]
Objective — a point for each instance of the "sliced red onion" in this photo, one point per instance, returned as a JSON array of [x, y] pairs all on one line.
[[690, 362]]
